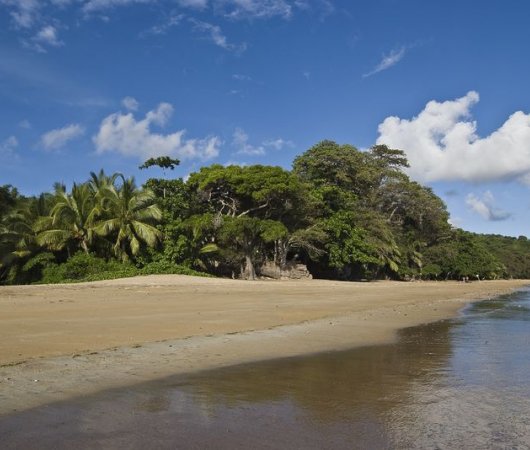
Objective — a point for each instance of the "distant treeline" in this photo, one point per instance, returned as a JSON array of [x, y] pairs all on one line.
[[346, 214]]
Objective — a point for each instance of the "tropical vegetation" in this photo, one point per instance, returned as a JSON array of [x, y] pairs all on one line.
[[344, 213]]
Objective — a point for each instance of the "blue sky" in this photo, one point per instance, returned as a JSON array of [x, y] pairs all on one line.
[[90, 84]]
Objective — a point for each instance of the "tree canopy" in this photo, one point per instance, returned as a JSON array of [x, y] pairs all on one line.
[[344, 213]]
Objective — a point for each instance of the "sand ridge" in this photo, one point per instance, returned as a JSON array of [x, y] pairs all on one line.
[[80, 338]]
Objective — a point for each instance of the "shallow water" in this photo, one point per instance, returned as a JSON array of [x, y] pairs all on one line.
[[459, 384]]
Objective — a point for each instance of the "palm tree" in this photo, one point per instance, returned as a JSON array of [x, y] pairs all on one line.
[[71, 221], [12, 229], [99, 182], [18, 243], [128, 218]]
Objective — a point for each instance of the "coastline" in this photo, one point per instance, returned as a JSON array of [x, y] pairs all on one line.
[[61, 341]]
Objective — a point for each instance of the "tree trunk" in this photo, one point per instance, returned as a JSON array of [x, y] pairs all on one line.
[[284, 248], [250, 273], [281, 247]]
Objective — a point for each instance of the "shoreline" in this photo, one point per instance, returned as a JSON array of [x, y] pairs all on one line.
[[62, 341]]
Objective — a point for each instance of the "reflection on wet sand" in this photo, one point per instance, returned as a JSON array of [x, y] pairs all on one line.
[[333, 386], [334, 400]]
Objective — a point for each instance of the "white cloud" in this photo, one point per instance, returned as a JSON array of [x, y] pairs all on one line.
[[8, 148], [388, 61], [241, 77], [24, 13], [162, 28], [235, 163], [484, 206], [240, 140], [41, 16], [234, 9], [215, 34], [101, 5], [47, 36], [195, 4], [323, 7], [441, 144], [455, 222], [58, 138], [124, 134], [254, 9], [278, 144], [130, 103]]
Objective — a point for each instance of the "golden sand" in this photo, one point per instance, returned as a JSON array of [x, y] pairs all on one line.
[[80, 338]]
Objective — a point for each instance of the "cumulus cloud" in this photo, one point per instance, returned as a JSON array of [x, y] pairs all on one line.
[[441, 143], [485, 207], [124, 134], [388, 61], [130, 103], [8, 148], [58, 138]]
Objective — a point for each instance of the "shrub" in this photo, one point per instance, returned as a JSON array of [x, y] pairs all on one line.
[[166, 267], [87, 267]]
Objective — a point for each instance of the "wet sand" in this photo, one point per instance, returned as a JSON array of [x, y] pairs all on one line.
[[61, 341]]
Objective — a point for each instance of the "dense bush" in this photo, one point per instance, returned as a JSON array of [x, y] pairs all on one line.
[[87, 267]]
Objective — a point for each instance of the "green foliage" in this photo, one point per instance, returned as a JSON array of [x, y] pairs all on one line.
[[513, 253], [71, 221], [463, 255], [346, 213], [346, 168], [164, 162], [348, 247], [266, 192], [128, 219], [8, 199], [87, 267], [164, 267], [173, 197]]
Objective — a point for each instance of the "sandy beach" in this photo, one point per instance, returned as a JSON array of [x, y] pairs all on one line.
[[60, 341]]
